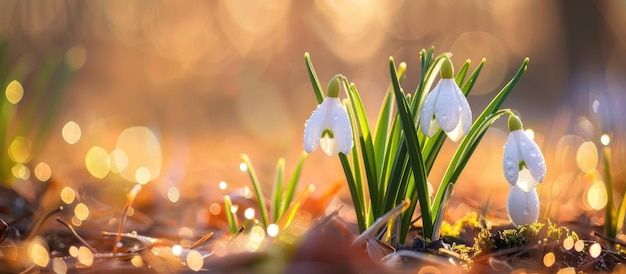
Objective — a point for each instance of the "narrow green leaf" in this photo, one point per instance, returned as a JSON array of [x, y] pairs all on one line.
[[385, 120], [610, 220], [397, 175], [277, 192], [460, 76], [354, 192], [230, 217], [293, 183], [365, 142], [621, 213], [394, 144], [257, 189], [382, 131], [317, 87], [467, 86], [414, 150]]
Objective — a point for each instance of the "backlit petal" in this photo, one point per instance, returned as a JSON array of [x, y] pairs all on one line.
[[511, 159], [532, 156], [525, 181], [447, 105], [426, 114], [457, 133], [466, 112], [340, 126], [522, 206], [314, 127], [329, 146]]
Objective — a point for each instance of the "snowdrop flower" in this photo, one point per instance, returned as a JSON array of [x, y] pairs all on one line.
[[523, 163], [523, 206], [446, 107], [329, 125]]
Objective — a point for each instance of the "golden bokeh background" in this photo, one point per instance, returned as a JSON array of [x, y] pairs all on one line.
[[208, 80]]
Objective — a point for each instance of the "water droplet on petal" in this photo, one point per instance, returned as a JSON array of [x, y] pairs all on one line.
[[526, 211]]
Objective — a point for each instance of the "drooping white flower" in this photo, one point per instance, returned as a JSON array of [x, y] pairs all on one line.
[[523, 162], [329, 125], [446, 107], [523, 206]]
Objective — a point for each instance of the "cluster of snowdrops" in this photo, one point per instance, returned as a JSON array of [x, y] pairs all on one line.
[[445, 108]]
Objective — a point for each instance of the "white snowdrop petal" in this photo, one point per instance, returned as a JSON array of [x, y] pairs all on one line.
[[511, 159], [466, 112], [532, 156], [426, 114], [446, 105], [457, 133], [340, 126], [315, 126], [522, 206]]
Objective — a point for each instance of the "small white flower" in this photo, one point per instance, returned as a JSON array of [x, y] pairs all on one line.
[[446, 107], [329, 126], [523, 162], [523, 206]]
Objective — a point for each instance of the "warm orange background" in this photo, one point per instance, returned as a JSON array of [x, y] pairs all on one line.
[[214, 79]]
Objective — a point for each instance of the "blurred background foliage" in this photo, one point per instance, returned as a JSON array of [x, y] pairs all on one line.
[[213, 79]]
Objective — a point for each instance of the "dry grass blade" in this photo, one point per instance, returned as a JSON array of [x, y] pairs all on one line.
[[377, 249], [76, 234], [369, 233], [204, 238], [33, 231], [131, 197]]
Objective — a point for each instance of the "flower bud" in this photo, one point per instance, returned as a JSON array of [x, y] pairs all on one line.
[[334, 86]]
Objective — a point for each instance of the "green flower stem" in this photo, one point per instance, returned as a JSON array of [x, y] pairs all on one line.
[[257, 189]]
